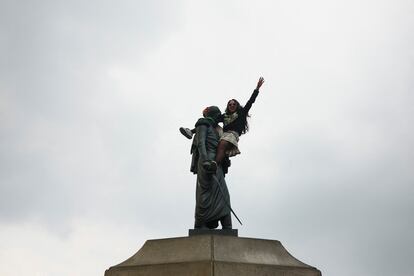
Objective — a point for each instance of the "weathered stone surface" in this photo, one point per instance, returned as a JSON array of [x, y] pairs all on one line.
[[212, 254]]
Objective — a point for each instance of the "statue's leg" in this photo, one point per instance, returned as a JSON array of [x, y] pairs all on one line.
[[200, 225], [226, 222], [212, 224]]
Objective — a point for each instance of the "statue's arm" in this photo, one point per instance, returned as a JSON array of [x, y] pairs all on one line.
[[201, 134]]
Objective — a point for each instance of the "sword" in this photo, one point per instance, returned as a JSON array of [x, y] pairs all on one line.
[[225, 200]]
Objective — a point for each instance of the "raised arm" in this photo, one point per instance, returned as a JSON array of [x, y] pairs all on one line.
[[259, 83], [254, 95]]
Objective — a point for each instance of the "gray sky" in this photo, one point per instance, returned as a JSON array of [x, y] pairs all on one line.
[[92, 95]]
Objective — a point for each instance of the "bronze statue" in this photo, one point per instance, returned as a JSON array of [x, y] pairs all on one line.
[[212, 196]]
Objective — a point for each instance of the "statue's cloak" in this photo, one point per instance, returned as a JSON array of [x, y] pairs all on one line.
[[212, 200]]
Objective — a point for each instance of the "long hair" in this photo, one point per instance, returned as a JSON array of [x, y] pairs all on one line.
[[244, 116]]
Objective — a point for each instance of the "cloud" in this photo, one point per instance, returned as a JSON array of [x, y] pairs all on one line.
[[92, 95], [62, 103]]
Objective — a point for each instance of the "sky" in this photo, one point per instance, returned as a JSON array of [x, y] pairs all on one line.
[[92, 94]]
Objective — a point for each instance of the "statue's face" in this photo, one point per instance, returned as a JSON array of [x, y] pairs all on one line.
[[205, 111], [232, 106]]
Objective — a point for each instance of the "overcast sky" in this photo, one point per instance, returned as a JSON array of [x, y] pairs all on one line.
[[92, 94]]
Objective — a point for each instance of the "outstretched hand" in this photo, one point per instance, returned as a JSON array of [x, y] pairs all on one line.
[[259, 83]]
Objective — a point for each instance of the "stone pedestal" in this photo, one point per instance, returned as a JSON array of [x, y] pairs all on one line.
[[208, 254]]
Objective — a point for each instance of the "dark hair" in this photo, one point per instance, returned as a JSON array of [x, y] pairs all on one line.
[[238, 110]]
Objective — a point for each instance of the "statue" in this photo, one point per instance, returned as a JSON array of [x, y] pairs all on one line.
[[212, 196]]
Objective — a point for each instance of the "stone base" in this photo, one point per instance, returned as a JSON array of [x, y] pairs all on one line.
[[212, 254], [223, 232]]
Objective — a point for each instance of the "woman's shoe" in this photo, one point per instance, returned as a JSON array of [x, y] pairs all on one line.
[[186, 132]]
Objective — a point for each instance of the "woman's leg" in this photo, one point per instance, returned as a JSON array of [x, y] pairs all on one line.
[[221, 150]]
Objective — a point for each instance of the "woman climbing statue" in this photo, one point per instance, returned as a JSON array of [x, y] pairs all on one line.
[[234, 124]]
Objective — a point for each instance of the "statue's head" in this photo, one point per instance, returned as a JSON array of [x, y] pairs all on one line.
[[232, 106], [212, 112]]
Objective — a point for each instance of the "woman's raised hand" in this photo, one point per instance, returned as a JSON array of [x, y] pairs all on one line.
[[259, 83]]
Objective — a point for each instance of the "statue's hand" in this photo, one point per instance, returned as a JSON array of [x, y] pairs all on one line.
[[210, 166]]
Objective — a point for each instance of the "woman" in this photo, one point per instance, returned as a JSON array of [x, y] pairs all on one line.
[[234, 124]]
